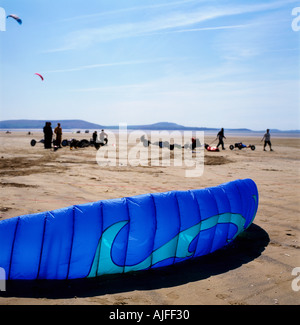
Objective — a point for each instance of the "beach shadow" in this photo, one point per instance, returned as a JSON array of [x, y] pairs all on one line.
[[246, 247]]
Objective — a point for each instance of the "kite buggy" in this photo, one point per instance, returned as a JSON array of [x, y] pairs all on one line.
[[241, 146]]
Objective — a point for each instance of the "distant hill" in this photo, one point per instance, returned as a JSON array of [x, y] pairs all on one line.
[[84, 125], [175, 126], [80, 124], [39, 124]]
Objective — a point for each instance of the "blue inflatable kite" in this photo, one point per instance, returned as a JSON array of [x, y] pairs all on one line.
[[126, 234]]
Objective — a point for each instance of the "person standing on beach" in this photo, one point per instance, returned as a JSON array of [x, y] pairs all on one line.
[[103, 138], [267, 138], [58, 132], [95, 137], [221, 136], [48, 133]]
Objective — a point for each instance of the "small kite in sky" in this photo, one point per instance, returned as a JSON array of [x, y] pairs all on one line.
[[40, 76], [18, 19]]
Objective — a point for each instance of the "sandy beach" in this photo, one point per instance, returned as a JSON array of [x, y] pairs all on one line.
[[256, 269]]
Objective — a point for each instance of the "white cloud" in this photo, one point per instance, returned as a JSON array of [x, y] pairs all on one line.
[[104, 65], [267, 33], [163, 23], [168, 6]]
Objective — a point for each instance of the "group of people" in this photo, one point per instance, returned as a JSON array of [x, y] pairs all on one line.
[[48, 135], [266, 138], [103, 137]]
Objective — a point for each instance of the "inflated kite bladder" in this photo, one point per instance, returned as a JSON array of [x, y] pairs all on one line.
[[126, 234]]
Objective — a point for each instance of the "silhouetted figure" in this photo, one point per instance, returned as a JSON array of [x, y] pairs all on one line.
[[48, 134], [221, 136]]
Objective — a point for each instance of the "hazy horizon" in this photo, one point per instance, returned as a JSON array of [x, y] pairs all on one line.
[[158, 126]]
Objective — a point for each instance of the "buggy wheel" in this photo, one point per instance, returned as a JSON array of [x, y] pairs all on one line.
[[64, 143], [231, 147], [252, 147], [33, 142]]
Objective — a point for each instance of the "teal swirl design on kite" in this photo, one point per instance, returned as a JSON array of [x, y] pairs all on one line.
[[104, 264], [103, 252]]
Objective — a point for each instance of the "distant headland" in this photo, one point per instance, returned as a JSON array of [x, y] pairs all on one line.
[[81, 124]]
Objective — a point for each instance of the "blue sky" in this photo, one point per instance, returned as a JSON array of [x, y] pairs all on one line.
[[226, 63]]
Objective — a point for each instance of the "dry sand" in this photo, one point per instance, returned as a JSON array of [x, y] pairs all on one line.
[[257, 269]]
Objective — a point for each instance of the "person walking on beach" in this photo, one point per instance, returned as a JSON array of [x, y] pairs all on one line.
[[58, 132], [221, 136], [267, 138], [48, 133]]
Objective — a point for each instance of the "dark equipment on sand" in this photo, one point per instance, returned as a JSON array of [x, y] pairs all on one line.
[[73, 143], [171, 146], [210, 148], [34, 142], [240, 145]]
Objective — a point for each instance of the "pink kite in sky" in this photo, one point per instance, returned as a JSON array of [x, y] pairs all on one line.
[[40, 76]]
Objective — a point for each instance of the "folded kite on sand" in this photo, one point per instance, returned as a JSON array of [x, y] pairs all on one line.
[[126, 234]]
